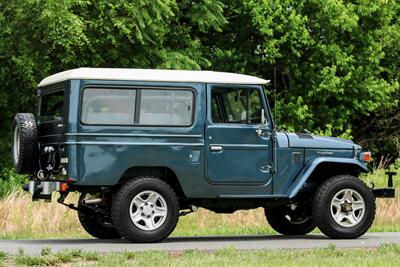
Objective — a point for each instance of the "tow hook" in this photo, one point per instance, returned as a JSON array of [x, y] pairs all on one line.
[[389, 191]]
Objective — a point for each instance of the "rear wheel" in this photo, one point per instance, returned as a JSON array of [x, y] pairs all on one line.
[[290, 219], [344, 207], [97, 226], [145, 210]]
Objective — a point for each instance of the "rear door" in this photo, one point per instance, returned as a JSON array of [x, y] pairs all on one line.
[[237, 134], [51, 123]]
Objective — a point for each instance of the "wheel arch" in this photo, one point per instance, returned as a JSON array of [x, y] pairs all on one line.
[[322, 168], [166, 174]]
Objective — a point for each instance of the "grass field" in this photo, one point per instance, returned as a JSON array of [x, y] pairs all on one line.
[[387, 255], [21, 218]]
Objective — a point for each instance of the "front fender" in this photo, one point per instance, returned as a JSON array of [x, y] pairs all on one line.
[[309, 169]]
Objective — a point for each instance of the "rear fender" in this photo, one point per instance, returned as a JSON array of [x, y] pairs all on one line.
[[310, 168]]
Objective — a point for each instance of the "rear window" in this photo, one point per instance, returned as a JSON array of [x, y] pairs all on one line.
[[164, 107], [52, 106]]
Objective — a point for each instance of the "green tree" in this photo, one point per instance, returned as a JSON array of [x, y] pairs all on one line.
[[336, 61], [41, 37]]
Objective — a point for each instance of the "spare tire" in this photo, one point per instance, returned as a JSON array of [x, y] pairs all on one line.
[[25, 143]]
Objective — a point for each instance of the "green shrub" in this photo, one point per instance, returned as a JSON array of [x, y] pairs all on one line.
[[10, 181]]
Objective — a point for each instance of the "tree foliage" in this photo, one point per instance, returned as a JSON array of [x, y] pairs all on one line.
[[336, 60]]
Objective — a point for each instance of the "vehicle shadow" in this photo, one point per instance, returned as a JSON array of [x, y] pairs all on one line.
[[179, 239], [243, 238]]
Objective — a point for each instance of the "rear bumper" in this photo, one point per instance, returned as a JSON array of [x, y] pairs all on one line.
[[44, 189]]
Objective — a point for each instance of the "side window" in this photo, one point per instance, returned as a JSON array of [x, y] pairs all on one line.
[[108, 106], [166, 107], [236, 105]]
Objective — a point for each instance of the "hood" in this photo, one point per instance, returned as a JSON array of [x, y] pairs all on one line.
[[302, 140]]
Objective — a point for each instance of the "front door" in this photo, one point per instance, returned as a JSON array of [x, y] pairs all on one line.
[[238, 135]]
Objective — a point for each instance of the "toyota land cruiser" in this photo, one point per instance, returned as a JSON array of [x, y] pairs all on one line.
[[144, 147]]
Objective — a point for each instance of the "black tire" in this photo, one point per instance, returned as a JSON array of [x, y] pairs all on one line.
[[121, 206], [25, 143], [286, 221], [96, 226], [324, 216]]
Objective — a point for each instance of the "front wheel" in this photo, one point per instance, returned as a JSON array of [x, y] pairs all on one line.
[[145, 209], [344, 207], [290, 220]]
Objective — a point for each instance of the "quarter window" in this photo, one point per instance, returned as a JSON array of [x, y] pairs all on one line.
[[166, 107], [108, 106]]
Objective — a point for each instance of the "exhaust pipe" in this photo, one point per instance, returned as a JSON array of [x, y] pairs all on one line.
[[92, 201]]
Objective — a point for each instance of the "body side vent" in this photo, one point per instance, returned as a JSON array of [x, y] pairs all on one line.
[[296, 158]]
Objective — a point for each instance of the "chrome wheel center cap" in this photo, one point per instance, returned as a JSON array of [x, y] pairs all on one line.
[[346, 207], [147, 210]]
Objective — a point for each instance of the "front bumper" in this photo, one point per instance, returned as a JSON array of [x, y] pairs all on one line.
[[388, 192], [384, 192]]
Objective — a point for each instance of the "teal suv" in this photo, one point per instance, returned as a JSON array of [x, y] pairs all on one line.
[[144, 147]]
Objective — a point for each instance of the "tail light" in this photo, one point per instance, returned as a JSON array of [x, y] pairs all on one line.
[[63, 187]]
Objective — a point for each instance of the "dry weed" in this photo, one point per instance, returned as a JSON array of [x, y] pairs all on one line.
[[388, 210], [22, 218]]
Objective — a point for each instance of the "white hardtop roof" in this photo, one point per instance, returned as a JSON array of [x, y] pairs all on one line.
[[152, 75]]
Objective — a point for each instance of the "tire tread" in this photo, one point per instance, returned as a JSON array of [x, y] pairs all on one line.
[[95, 229], [28, 154], [280, 224]]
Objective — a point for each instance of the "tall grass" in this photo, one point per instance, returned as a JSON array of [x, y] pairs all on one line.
[[22, 218]]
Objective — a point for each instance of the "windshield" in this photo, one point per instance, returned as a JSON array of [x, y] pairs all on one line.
[[52, 106]]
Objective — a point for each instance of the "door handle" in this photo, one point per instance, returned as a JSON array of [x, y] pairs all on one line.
[[216, 148]]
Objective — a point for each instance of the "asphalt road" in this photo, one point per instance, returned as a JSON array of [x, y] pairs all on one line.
[[201, 243]]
